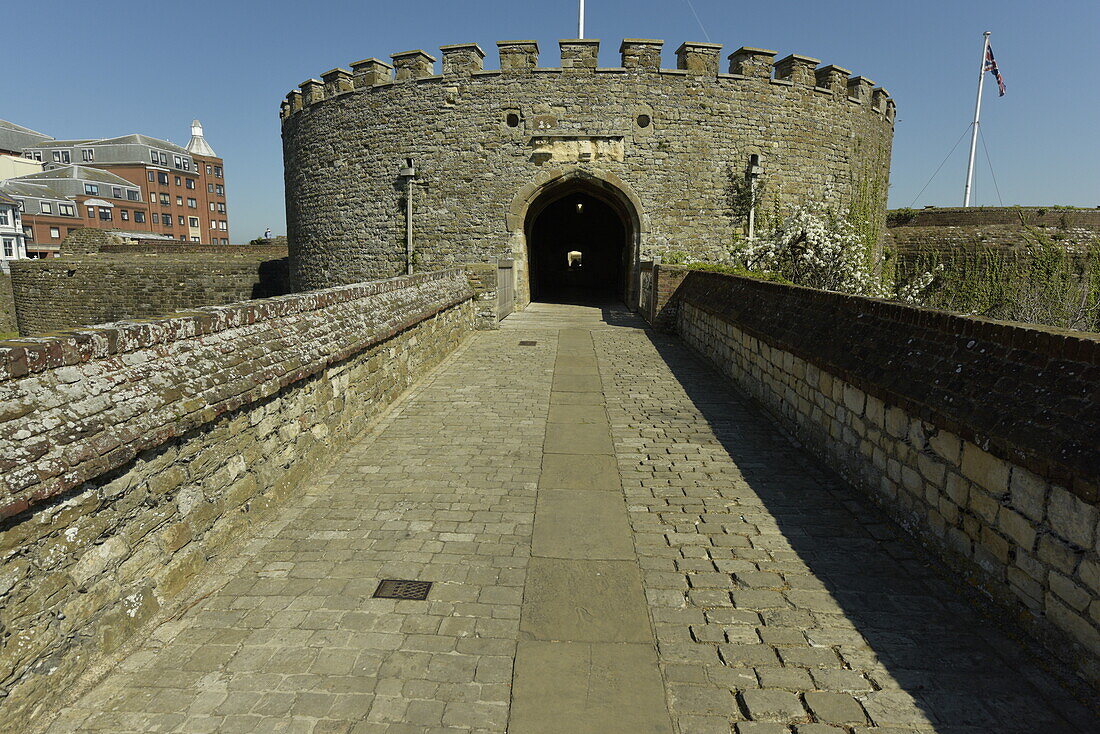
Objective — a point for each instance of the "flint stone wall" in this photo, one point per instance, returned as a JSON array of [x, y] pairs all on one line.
[[674, 142], [132, 453], [979, 436]]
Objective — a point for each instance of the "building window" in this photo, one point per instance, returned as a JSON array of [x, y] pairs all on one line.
[[4, 217], [164, 200], [9, 247], [190, 183], [28, 232], [179, 162], [223, 226], [166, 220], [133, 195], [139, 217], [44, 208], [225, 241], [181, 219], [208, 170], [124, 215], [66, 210], [61, 156], [217, 171], [55, 232], [164, 159], [91, 212], [220, 190], [153, 156], [221, 207], [116, 192], [209, 188], [105, 214], [192, 203], [192, 221], [187, 164], [179, 181], [211, 206], [87, 154], [183, 238], [195, 239], [179, 201], [152, 176], [91, 189], [162, 177]]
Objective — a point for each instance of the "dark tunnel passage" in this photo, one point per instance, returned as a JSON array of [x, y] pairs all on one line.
[[577, 250]]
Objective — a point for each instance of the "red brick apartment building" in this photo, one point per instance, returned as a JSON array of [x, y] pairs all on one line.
[[133, 183]]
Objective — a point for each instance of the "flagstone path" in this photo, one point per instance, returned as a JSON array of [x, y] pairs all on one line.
[[618, 543]]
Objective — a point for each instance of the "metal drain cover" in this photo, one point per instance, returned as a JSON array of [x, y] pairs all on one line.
[[527, 343], [402, 589]]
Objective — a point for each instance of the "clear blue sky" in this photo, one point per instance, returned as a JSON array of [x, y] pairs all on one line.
[[82, 69]]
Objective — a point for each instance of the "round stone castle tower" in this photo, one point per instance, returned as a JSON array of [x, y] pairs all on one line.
[[532, 163]]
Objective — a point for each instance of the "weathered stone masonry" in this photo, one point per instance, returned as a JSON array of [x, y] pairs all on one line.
[[980, 436], [668, 144], [132, 453]]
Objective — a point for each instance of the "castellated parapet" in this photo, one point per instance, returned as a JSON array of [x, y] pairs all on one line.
[[668, 147]]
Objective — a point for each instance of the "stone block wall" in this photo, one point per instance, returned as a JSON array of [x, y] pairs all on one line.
[[132, 454], [7, 306], [979, 436], [79, 290]]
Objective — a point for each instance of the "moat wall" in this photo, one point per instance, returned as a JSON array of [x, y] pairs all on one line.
[[978, 436], [669, 147], [132, 454]]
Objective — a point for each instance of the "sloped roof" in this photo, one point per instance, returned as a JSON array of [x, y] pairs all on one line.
[[80, 173], [27, 189], [138, 139], [5, 199], [17, 137]]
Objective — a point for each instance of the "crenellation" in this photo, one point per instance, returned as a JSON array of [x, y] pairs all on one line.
[[879, 98], [313, 91], [518, 55], [579, 54], [698, 58], [337, 81], [462, 59], [294, 101], [371, 72], [752, 63], [833, 78], [412, 65], [859, 89], [643, 54], [797, 69]]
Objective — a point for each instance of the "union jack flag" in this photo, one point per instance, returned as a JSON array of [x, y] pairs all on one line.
[[991, 65]]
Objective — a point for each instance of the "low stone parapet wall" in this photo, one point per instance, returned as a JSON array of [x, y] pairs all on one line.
[[983, 437], [132, 453], [79, 290]]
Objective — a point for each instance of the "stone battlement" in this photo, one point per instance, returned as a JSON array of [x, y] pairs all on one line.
[[747, 65]]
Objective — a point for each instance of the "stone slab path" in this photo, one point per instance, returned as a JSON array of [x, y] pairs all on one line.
[[618, 543]]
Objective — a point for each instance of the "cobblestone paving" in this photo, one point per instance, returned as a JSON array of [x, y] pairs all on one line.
[[777, 600]]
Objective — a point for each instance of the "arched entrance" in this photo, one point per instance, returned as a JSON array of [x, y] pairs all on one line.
[[580, 241]]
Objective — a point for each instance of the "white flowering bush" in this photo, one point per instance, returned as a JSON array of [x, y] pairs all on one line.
[[816, 248]]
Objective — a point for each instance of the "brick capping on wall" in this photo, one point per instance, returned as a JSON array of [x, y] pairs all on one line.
[[54, 458], [1022, 392]]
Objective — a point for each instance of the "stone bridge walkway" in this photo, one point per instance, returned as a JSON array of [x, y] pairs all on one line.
[[618, 543]]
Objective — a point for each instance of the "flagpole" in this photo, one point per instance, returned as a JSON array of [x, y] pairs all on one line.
[[974, 131], [580, 21]]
